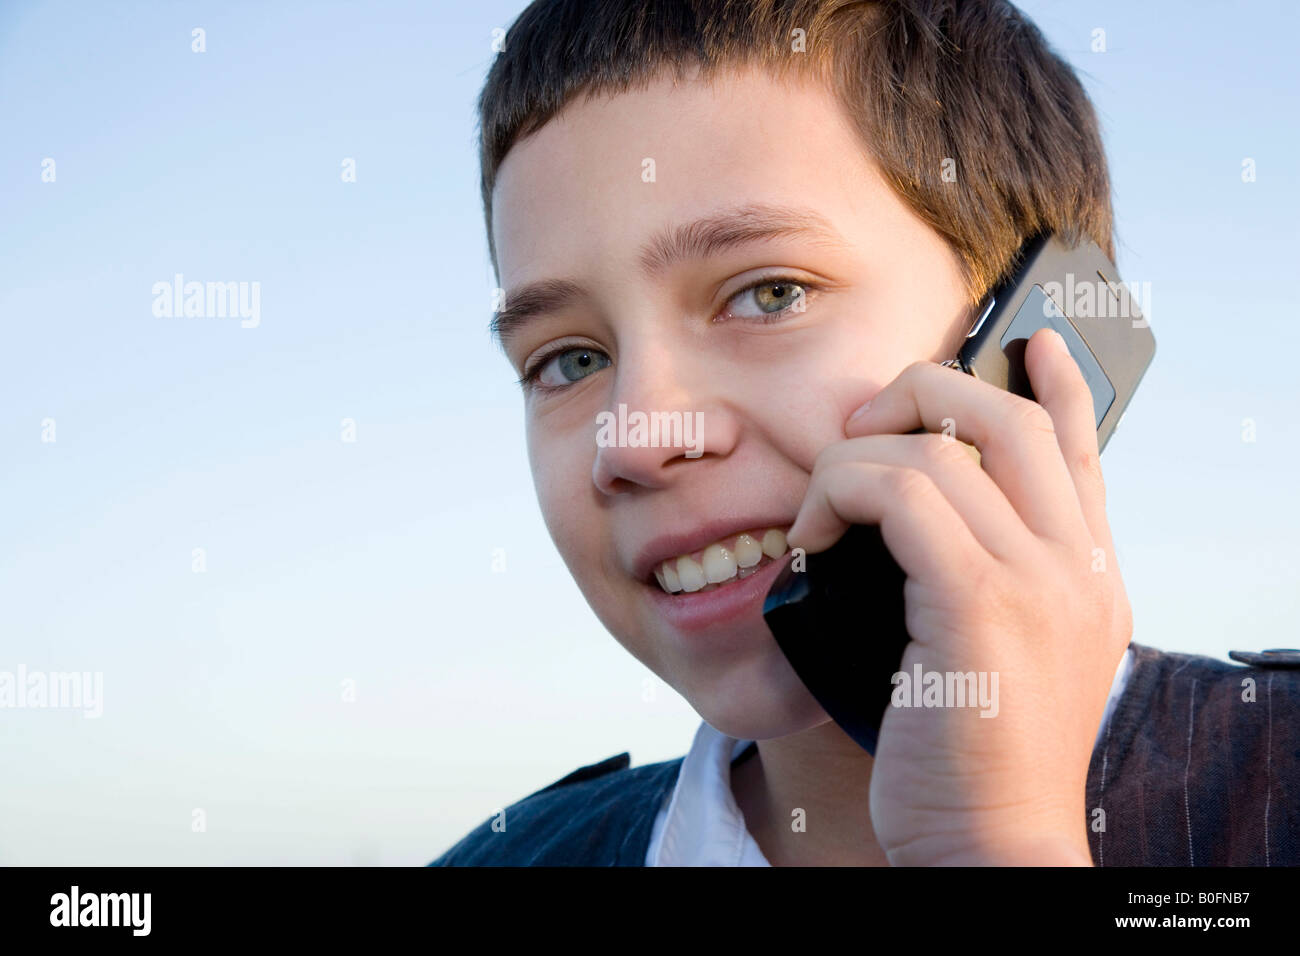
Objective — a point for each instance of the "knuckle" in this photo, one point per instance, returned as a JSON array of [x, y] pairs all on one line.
[[825, 458], [985, 579], [1088, 463], [837, 452], [1033, 419], [909, 484], [918, 367], [984, 582], [941, 452]]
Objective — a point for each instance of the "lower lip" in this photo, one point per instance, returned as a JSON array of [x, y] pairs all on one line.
[[738, 604]]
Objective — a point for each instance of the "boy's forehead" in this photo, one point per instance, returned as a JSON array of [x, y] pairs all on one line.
[[609, 171]]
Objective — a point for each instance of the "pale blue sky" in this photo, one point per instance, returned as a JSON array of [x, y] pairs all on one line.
[[371, 561]]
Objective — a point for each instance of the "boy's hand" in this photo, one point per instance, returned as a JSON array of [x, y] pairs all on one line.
[[1010, 571]]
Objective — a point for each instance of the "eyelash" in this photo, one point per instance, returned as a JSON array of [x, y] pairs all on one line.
[[808, 287], [529, 380]]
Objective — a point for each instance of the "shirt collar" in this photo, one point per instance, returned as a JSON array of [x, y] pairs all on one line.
[[703, 825]]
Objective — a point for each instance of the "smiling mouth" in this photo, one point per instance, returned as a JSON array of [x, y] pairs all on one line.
[[725, 561]]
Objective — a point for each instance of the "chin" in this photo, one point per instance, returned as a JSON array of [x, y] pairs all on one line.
[[758, 707]]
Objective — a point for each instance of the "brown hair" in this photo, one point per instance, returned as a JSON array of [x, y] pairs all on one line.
[[923, 81]]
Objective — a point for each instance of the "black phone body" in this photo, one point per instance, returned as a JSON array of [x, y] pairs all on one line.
[[840, 622]]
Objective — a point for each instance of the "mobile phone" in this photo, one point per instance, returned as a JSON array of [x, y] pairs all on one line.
[[840, 621]]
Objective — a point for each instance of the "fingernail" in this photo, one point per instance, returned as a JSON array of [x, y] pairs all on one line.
[[862, 410], [1058, 342]]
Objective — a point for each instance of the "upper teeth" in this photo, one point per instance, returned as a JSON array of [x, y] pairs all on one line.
[[720, 561]]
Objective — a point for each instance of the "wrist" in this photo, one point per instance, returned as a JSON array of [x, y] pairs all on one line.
[[1029, 851], [1050, 848]]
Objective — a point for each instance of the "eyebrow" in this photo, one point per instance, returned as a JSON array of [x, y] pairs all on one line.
[[700, 239]]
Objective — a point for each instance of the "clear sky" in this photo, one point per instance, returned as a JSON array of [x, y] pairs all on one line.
[[364, 569]]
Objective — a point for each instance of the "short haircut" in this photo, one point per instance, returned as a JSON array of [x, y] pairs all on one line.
[[965, 86]]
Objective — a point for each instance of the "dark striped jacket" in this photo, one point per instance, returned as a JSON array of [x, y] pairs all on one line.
[[1199, 766]]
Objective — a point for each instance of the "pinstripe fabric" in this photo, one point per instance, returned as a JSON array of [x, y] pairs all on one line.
[[1200, 766]]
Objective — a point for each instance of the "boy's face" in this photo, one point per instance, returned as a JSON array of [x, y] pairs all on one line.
[[772, 383]]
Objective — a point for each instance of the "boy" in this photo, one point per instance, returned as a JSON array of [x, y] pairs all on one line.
[[776, 219]]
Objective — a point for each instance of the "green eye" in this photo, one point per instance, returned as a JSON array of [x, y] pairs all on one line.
[[771, 296], [567, 366], [781, 296]]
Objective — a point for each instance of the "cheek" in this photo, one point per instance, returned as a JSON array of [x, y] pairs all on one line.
[[815, 395], [562, 478], [854, 360]]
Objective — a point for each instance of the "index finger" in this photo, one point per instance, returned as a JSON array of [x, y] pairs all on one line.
[[1015, 437]]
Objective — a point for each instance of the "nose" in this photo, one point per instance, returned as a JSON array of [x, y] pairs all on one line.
[[664, 419]]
